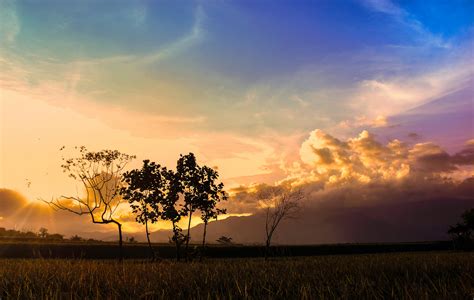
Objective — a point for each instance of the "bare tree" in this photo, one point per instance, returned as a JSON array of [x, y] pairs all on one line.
[[279, 204], [100, 174]]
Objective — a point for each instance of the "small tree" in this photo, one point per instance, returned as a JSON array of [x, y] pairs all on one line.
[[145, 190], [279, 204], [225, 240], [76, 238], [100, 174], [462, 233], [131, 240], [210, 194], [170, 212], [43, 233], [188, 174]]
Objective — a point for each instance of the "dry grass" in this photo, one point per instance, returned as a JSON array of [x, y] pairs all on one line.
[[378, 276]]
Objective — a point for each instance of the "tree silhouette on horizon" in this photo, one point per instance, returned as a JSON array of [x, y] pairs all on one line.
[[100, 173]]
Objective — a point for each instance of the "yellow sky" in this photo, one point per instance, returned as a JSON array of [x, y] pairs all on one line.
[[33, 131]]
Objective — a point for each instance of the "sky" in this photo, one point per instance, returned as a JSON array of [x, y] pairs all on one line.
[[265, 91]]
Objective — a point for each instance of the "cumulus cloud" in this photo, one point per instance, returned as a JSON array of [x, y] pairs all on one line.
[[10, 202], [331, 169], [364, 159], [327, 159]]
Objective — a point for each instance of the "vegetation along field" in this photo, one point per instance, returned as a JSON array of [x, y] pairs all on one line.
[[435, 275]]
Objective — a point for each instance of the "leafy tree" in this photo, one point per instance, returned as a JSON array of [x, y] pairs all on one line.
[[279, 204], [43, 233], [210, 194], [188, 174], [146, 188], [462, 233], [100, 174], [76, 238], [170, 211], [200, 192]]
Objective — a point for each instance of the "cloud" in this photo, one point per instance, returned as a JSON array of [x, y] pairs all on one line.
[[387, 97], [10, 202], [193, 36], [328, 159], [9, 23], [414, 136], [409, 20], [465, 156], [327, 163], [364, 122], [139, 15], [410, 209]]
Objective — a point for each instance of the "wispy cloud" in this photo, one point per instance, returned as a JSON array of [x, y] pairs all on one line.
[[9, 22], [138, 15], [391, 96], [192, 37], [409, 20]]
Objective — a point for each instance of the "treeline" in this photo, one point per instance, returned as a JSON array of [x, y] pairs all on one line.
[[43, 235], [153, 192], [28, 235]]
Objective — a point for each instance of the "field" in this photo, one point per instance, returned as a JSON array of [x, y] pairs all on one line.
[[421, 275], [110, 250]]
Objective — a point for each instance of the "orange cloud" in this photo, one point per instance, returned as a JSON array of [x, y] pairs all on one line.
[[329, 160]]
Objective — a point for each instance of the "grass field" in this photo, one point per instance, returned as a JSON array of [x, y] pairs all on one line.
[[433, 275], [109, 250]]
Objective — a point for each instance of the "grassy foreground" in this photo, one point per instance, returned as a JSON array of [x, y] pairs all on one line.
[[399, 276]]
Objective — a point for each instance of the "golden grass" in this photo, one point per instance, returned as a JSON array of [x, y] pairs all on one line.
[[377, 276]]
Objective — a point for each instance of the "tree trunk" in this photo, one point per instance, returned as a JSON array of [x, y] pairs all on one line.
[[187, 237], [204, 234], [120, 241], [152, 253], [267, 245], [203, 240], [176, 242]]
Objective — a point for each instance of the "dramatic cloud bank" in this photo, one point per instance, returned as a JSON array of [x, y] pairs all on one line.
[[330, 169]]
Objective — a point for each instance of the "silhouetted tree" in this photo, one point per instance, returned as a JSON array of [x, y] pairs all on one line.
[[145, 189], [55, 237], [462, 233], [43, 233], [76, 238], [279, 204], [100, 174], [210, 194], [170, 211], [131, 240], [224, 240], [188, 174]]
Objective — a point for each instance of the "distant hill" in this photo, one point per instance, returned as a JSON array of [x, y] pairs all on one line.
[[395, 222]]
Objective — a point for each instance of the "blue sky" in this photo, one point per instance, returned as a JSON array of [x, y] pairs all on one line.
[[240, 82]]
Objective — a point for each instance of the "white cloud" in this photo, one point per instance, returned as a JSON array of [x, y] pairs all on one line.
[[426, 37], [386, 97], [193, 36]]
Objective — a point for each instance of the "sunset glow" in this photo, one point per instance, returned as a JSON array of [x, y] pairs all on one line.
[[332, 96]]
